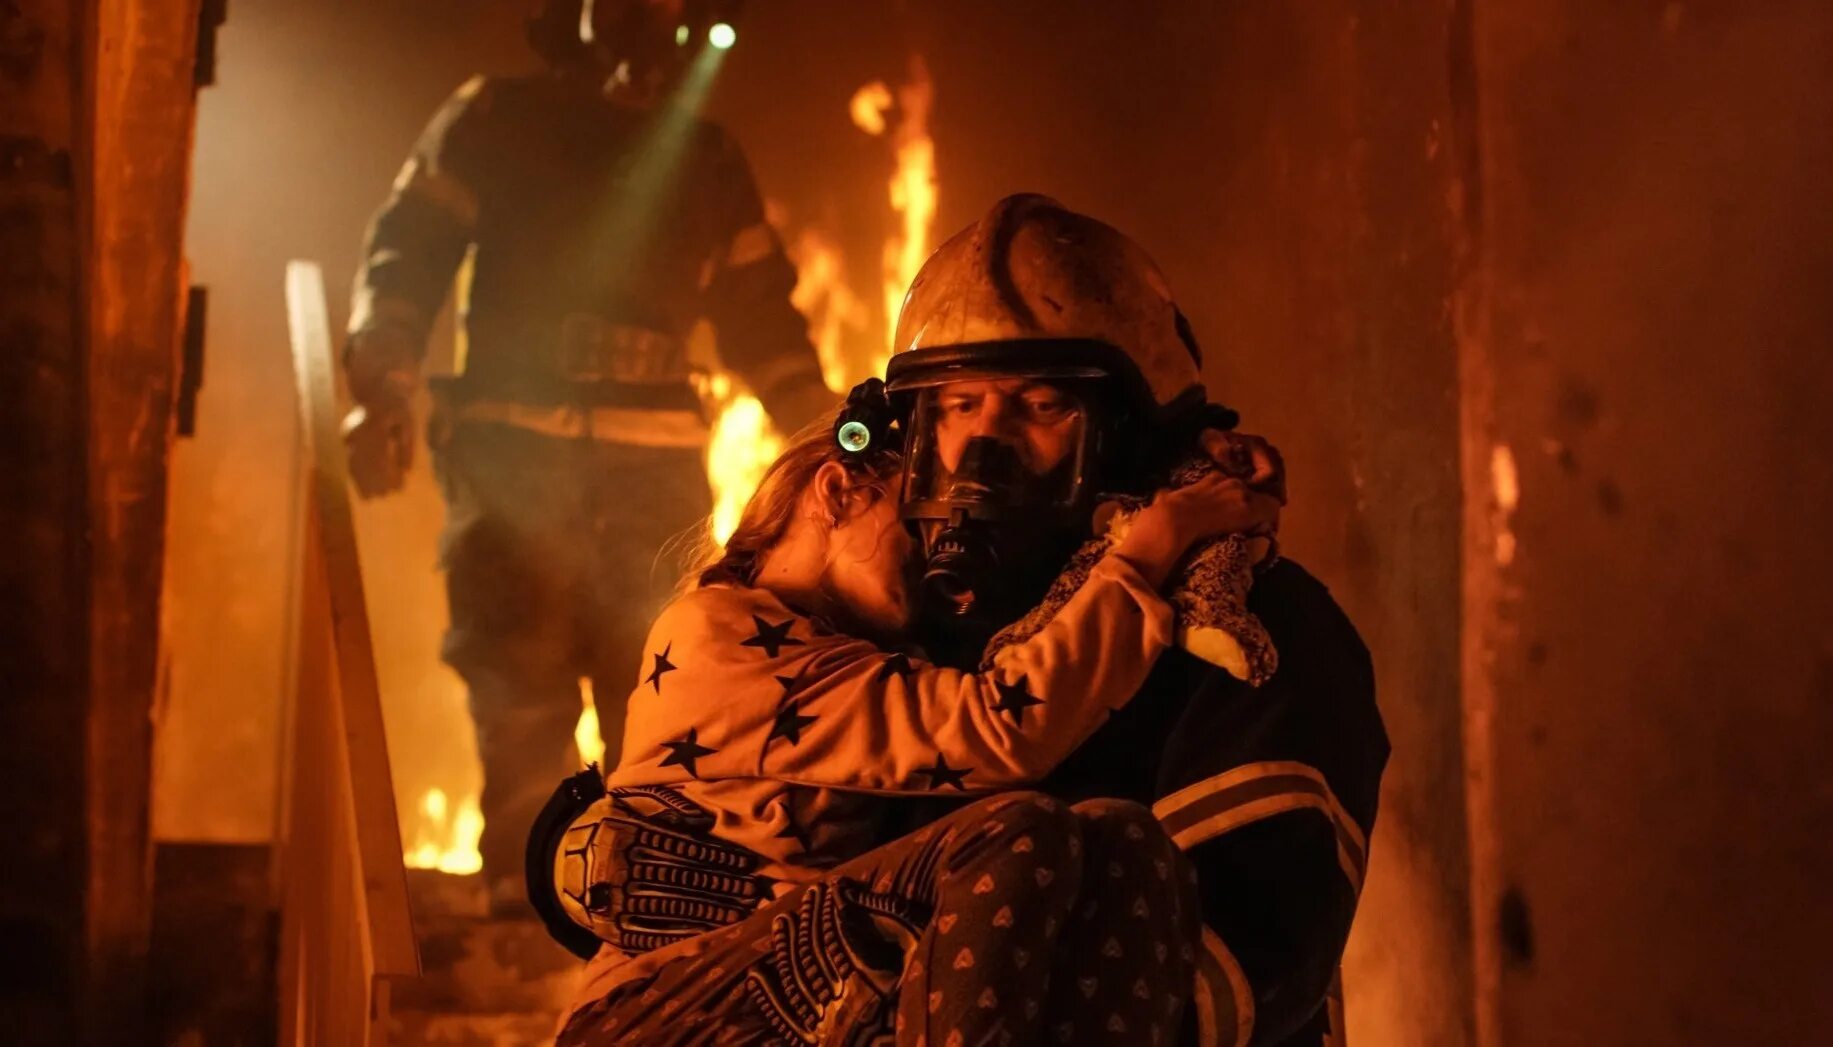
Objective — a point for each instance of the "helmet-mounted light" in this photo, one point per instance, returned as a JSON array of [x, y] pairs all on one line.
[[867, 422]]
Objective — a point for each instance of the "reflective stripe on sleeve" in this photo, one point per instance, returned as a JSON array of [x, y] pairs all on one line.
[[1223, 998], [1336, 1035], [1256, 791], [440, 189]]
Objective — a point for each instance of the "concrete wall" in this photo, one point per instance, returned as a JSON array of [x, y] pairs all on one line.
[[1650, 645]]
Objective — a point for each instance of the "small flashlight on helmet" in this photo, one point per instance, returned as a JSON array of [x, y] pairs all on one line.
[[865, 420]]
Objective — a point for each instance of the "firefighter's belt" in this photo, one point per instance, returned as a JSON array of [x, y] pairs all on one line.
[[593, 349], [635, 426]]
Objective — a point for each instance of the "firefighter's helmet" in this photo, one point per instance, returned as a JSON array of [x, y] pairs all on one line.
[[1038, 288], [641, 40], [1039, 361]]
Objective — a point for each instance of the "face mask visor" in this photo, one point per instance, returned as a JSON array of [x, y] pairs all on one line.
[[998, 448], [996, 476]]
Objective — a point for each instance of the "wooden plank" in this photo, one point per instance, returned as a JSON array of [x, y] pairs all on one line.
[[298, 504], [393, 950], [308, 919]]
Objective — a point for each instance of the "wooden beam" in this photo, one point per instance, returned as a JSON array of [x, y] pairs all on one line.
[[141, 104]]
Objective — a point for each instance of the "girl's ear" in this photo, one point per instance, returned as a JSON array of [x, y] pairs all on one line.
[[829, 490]]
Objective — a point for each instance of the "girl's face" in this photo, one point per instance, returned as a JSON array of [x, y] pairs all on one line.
[[871, 562]]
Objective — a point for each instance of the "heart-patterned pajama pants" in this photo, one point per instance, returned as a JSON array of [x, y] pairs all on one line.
[[1014, 920]]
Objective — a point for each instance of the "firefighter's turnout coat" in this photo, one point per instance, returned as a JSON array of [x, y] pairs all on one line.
[[1271, 792], [593, 237]]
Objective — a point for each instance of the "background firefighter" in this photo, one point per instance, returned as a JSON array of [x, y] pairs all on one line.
[[596, 220]]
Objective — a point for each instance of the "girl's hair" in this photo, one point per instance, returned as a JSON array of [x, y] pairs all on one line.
[[773, 505]]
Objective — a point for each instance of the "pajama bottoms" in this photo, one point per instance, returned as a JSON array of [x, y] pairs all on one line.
[[1015, 920]]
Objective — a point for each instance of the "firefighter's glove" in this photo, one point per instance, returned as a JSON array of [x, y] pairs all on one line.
[[642, 869], [381, 366], [831, 976]]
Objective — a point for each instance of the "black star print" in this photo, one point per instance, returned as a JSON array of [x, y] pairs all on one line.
[[684, 752], [663, 665], [1014, 699], [792, 831], [772, 638], [942, 774], [789, 723], [896, 665]]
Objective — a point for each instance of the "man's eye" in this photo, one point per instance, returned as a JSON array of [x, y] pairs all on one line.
[[960, 406], [1048, 409]]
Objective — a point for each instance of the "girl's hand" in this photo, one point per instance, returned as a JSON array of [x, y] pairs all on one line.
[[1177, 519]]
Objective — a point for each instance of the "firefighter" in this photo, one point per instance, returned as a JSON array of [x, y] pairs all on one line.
[[595, 220], [1040, 360], [773, 731]]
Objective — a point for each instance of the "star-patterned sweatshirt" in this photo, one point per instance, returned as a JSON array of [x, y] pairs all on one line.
[[791, 734]]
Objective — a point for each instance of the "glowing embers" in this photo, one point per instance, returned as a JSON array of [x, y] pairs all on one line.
[[446, 838]]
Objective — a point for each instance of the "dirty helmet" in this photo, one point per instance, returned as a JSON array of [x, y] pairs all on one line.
[[1038, 354]]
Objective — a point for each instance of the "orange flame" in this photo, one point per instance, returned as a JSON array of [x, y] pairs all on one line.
[[586, 737], [444, 838], [743, 443], [834, 312], [913, 190]]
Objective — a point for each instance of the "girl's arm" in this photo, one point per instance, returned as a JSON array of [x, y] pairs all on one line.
[[737, 685]]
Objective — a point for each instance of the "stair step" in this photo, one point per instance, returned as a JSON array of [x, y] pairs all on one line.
[[470, 1030], [485, 981]]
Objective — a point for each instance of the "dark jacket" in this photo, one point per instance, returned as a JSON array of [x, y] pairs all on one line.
[[1271, 792]]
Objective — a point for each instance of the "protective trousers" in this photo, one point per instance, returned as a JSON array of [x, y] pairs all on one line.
[[1015, 920], [554, 570]]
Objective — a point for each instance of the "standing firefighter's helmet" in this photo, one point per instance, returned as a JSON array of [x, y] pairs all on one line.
[[644, 42]]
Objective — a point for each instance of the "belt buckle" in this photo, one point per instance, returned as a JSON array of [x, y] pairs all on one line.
[[584, 348], [595, 350]]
